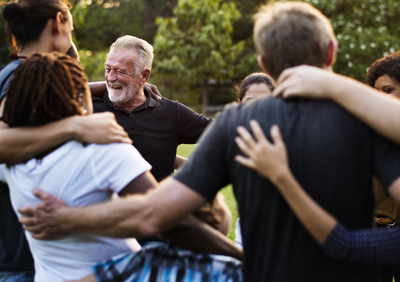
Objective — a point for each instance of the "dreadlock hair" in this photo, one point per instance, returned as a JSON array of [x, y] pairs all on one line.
[[46, 87]]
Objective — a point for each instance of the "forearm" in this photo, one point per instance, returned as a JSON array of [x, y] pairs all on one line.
[[377, 110], [315, 219], [20, 144], [193, 234], [120, 218]]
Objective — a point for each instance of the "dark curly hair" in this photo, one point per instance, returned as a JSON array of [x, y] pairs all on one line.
[[254, 78], [46, 87], [389, 65]]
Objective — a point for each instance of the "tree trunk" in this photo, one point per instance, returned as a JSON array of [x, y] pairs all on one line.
[[205, 96]]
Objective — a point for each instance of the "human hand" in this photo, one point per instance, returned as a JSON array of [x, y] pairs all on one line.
[[305, 81], [42, 220], [266, 158], [155, 94], [99, 128]]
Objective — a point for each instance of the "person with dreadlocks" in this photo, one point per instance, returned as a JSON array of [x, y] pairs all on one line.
[[38, 26], [47, 88]]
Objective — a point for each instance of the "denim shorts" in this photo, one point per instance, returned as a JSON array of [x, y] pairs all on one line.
[[18, 276]]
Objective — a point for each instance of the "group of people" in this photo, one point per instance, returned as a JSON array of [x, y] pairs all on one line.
[[303, 179]]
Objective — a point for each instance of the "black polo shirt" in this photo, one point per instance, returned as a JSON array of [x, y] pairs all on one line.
[[156, 129]]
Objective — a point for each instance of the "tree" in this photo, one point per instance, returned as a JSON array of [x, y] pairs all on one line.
[[366, 31], [195, 45]]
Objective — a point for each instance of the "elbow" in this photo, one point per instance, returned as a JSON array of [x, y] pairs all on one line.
[[149, 226], [149, 230]]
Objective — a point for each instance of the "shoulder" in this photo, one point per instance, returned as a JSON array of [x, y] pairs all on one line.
[[113, 149], [5, 71], [167, 103]]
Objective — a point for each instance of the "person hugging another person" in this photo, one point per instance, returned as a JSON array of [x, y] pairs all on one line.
[[384, 75], [48, 87], [38, 26]]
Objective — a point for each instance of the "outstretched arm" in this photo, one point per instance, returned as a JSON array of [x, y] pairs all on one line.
[[133, 216], [270, 161], [379, 111], [20, 144]]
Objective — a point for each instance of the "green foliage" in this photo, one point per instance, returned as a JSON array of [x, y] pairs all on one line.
[[93, 64], [196, 45], [366, 31], [100, 23]]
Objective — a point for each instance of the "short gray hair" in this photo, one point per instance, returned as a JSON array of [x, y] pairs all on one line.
[[146, 51]]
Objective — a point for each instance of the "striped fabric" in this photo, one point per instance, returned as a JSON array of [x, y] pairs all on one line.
[[164, 262]]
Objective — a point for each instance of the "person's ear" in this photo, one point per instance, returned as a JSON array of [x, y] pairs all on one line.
[[331, 53], [146, 75], [262, 65], [57, 22]]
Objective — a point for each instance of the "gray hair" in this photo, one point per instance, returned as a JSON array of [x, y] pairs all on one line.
[[146, 51]]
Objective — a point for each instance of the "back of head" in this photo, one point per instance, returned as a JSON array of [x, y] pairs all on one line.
[[289, 34], [26, 19], [132, 43], [46, 87], [389, 65], [255, 78]]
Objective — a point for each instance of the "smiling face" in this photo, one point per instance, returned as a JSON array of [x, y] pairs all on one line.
[[122, 82], [256, 91], [386, 85]]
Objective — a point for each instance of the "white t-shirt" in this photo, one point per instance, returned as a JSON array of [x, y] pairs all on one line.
[[80, 176]]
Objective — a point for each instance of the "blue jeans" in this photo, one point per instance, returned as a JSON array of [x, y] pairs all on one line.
[[20, 276]]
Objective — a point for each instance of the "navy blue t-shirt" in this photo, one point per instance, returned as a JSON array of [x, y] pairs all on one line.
[[14, 250], [332, 155]]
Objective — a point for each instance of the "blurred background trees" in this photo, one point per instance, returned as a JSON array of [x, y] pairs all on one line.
[[209, 42]]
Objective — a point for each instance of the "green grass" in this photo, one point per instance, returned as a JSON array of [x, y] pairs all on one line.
[[185, 151]]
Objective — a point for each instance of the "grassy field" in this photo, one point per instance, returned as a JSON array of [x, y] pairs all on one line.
[[185, 151]]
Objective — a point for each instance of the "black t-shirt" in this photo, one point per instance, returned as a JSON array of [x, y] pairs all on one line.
[[331, 154], [156, 129]]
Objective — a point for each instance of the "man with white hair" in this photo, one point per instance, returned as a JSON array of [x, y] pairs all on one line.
[[155, 127]]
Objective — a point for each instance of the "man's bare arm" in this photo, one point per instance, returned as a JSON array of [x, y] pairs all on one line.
[[379, 111], [20, 144], [133, 216]]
